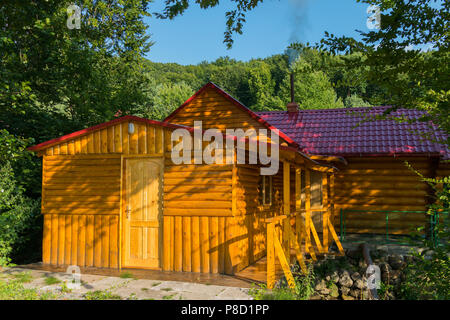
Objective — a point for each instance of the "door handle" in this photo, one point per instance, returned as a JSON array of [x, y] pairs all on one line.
[[127, 211]]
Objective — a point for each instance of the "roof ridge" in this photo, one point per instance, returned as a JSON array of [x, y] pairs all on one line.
[[334, 109]]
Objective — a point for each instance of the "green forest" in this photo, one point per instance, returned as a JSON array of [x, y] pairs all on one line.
[[55, 80]]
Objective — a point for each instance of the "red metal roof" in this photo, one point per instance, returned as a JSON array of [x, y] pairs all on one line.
[[336, 132], [73, 135], [237, 104]]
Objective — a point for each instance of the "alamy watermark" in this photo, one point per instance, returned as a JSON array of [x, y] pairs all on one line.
[[373, 275], [75, 282], [74, 19], [374, 19], [251, 147]]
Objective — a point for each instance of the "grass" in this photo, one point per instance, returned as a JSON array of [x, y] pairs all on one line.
[[154, 284], [304, 288], [23, 277], [65, 288], [14, 290], [101, 295], [144, 289], [167, 289], [51, 280], [127, 275], [169, 297]]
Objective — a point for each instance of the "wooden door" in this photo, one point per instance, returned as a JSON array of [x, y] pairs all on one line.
[[142, 214]]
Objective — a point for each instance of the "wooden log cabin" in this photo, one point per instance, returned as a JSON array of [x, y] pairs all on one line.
[[372, 180], [112, 197]]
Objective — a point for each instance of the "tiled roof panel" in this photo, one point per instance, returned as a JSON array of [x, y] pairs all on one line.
[[342, 131]]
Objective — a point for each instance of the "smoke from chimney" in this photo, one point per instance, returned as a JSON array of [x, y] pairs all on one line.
[[298, 19], [293, 56]]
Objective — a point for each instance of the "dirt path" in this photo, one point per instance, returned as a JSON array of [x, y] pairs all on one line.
[[54, 284]]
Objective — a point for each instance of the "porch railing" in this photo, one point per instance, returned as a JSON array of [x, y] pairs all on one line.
[[282, 236]]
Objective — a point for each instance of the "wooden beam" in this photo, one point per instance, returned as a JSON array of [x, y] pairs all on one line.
[[270, 255], [286, 208], [284, 261], [326, 211], [307, 210], [298, 189]]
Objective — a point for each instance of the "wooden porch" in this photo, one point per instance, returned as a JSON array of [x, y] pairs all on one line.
[[292, 237]]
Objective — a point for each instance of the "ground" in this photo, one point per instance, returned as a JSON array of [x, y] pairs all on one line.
[[41, 284]]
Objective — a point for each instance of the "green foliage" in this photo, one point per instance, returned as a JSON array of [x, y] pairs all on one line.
[[23, 277], [428, 277], [18, 214], [354, 101], [385, 290], [51, 280], [101, 295], [313, 89], [20, 221], [431, 272], [65, 288], [304, 288], [126, 275], [167, 98], [407, 58], [14, 290]]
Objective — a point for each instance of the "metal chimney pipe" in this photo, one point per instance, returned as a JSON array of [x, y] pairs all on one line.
[[292, 88], [292, 107]]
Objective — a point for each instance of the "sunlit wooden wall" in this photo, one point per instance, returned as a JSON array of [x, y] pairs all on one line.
[[204, 229], [81, 193], [382, 183]]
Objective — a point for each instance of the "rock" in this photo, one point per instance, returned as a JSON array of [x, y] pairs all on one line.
[[362, 264], [345, 280], [355, 293], [385, 268], [393, 277], [344, 290], [396, 276], [320, 286], [345, 297], [365, 295], [325, 291], [355, 276], [360, 284], [334, 277], [315, 297], [396, 262]]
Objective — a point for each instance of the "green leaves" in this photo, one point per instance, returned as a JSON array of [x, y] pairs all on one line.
[[395, 60]]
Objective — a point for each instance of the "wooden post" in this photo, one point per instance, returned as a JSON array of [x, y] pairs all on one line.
[[331, 199], [298, 206], [307, 209], [270, 247], [286, 211], [325, 212]]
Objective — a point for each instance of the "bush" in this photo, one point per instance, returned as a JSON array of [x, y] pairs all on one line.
[[20, 221], [429, 276], [18, 215], [304, 288]]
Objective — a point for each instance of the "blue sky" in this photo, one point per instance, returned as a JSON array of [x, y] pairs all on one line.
[[198, 34]]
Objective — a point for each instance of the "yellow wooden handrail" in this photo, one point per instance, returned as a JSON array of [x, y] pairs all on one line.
[[275, 248]]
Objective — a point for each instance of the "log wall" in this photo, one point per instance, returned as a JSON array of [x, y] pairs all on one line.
[[204, 229], [382, 183], [81, 193]]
